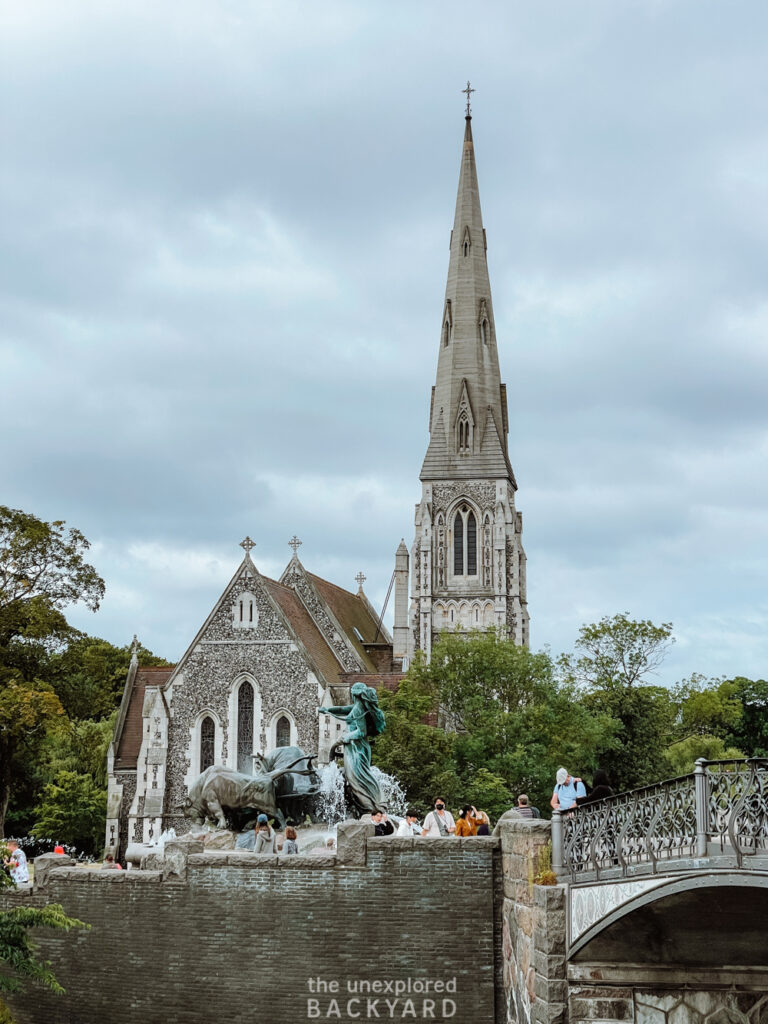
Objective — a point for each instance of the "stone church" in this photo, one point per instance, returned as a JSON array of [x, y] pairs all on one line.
[[272, 651]]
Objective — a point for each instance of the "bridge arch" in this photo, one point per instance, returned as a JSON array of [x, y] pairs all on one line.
[[668, 923]]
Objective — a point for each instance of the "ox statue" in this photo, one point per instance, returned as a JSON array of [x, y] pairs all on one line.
[[220, 792]]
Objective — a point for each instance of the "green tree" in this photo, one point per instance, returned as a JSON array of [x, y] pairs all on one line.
[[750, 733], [506, 722], [73, 810], [615, 657], [707, 707], [681, 757], [42, 570]]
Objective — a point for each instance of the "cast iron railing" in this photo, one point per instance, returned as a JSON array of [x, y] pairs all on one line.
[[720, 811]]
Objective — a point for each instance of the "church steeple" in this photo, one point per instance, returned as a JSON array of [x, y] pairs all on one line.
[[468, 417], [468, 563]]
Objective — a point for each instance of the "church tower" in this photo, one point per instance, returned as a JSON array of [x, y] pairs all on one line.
[[467, 560]]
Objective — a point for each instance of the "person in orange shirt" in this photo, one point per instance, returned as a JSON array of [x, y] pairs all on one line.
[[467, 821]]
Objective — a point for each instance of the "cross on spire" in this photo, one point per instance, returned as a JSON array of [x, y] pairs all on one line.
[[294, 543], [468, 92], [247, 544], [361, 578]]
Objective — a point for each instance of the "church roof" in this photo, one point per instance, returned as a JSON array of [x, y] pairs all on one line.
[[305, 629], [129, 740], [353, 614]]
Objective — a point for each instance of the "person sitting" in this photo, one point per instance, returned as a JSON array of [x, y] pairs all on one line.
[[383, 826], [109, 862], [567, 791], [468, 821], [290, 846], [265, 836], [601, 789], [16, 862], [525, 809], [409, 826]]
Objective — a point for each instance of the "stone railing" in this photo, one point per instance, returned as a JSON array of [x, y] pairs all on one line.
[[718, 814]]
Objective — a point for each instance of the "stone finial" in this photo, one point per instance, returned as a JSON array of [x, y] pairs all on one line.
[[247, 544], [135, 649], [294, 543]]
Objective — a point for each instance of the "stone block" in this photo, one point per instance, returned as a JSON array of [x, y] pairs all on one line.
[[351, 841], [176, 853], [152, 862], [223, 840], [47, 862], [215, 859], [549, 965], [525, 919], [549, 897], [479, 842], [134, 877], [602, 1005], [549, 941], [551, 990]]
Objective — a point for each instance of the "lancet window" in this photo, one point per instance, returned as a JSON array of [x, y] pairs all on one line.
[[283, 732], [465, 542], [245, 702], [207, 742]]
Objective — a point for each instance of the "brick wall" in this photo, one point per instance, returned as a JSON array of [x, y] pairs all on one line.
[[232, 937]]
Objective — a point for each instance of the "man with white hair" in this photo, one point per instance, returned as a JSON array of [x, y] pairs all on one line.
[[566, 791]]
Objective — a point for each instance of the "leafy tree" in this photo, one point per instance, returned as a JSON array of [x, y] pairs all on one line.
[[681, 757], [42, 570], [750, 732], [72, 810], [708, 707], [507, 723], [619, 651]]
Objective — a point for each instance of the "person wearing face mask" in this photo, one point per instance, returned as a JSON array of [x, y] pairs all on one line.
[[439, 822]]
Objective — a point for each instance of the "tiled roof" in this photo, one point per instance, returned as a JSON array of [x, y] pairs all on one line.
[[130, 737], [351, 613], [305, 629]]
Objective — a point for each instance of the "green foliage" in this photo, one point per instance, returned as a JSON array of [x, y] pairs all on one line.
[[506, 723], [681, 757], [750, 732], [73, 810], [89, 675], [619, 651], [18, 952], [708, 707]]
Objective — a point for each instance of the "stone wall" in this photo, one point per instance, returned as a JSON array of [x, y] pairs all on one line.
[[236, 937]]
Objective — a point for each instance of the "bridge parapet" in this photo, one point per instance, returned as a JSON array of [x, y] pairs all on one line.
[[716, 817]]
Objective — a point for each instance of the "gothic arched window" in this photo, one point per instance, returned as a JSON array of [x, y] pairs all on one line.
[[245, 728], [446, 332], [207, 742], [458, 545], [471, 545], [465, 542], [462, 434], [283, 732]]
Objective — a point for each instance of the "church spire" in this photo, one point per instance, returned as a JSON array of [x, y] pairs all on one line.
[[468, 418]]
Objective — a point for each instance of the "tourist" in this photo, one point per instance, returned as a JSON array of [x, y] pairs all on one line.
[[525, 809], [109, 862], [16, 862], [246, 840], [567, 790], [409, 825], [439, 822], [601, 789], [58, 848], [484, 824], [467, 822], [265, 836], [382, 825], [290, 845]]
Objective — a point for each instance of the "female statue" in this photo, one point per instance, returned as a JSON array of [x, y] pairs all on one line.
[[363, 718]]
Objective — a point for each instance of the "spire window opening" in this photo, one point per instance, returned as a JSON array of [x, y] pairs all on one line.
[[484, 331], [466, 248], [462, 438], [446, 333], [465, 542]]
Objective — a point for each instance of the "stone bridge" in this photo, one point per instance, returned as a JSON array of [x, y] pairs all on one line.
[[668, 884]]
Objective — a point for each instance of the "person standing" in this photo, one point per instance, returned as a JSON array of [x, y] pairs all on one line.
[[290, 846], [16, 862], [601, 789], [566, 791], [382, 825], [524, 808], [468, 821], [439, 822]]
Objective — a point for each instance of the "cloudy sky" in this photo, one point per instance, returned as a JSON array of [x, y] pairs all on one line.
[[224, 238]]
